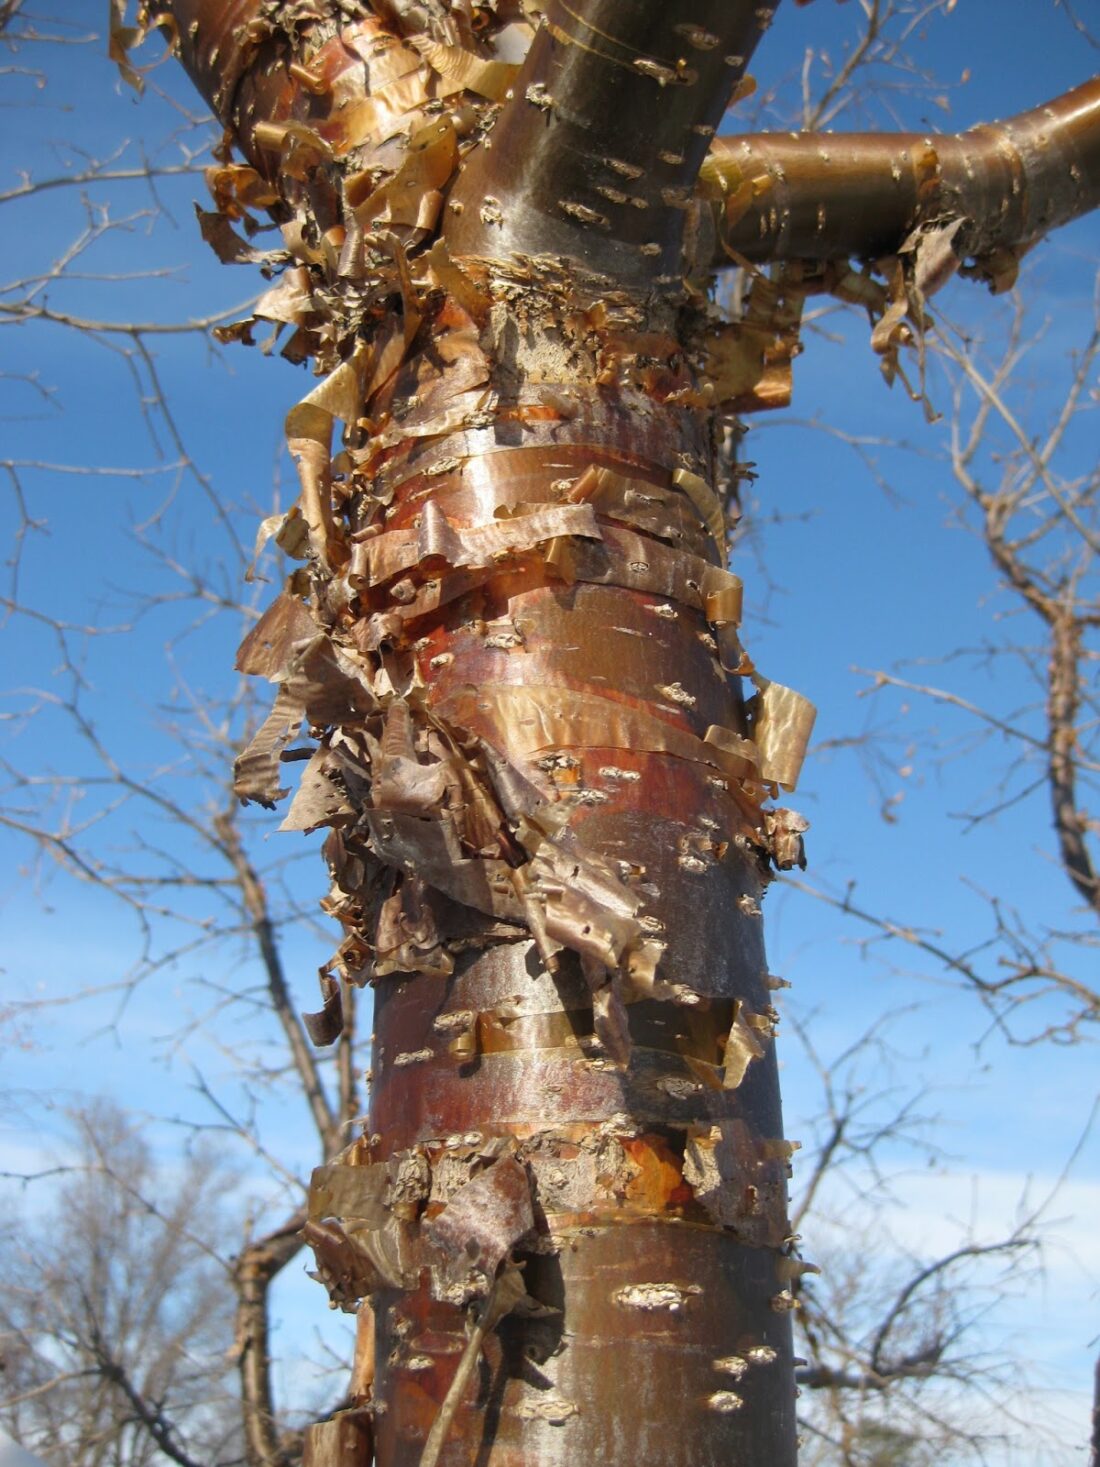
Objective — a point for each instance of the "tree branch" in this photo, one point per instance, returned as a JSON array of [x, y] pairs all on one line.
[[1071, 823], [256, 1268], [1021, 974], [254, 898], [880, 1365], [151, 1416], [780, 196], [1053, 591]]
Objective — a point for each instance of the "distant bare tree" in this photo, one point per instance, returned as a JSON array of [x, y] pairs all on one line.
[[114, 1310], [1029, 490], [889, 1331]]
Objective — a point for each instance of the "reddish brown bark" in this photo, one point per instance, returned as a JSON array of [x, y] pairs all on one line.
[[826, 196], [515, 641], [571, 167]]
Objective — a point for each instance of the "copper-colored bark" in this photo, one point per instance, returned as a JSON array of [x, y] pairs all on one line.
[[533, 1071], [216, 45], [514, 640], [571, 162], [829, 195]]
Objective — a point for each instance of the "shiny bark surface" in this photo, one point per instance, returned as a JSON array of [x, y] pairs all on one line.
[[652, 1138], [567, 163], [829, 195]]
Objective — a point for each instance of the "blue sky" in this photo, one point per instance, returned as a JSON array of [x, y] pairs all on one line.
[[849, 577]]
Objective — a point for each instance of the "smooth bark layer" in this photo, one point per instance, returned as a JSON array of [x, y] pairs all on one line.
[[822, 196], [604, 1387], [597, 149]]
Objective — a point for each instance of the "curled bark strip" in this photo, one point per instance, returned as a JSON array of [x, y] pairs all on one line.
[[478, 1228], [346, 1440], [309, 437], [326, 1026], [749, 361], [383, 557], [466, 70], [536, 721], [268, 647], [782, 722], [256, 773]]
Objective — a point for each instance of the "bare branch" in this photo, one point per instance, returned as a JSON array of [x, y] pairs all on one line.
[[828, 196], [259, 1264], [159, 1426]]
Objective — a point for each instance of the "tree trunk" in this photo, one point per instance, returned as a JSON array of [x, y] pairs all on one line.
[[567, 765], [658, 1171], [515, 640]]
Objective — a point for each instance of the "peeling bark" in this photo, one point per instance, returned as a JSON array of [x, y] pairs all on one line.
[[514, 641], [345, 1441]]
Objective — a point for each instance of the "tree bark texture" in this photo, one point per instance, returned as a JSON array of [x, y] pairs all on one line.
[[345, 1441], [513, 638], [826, 196]]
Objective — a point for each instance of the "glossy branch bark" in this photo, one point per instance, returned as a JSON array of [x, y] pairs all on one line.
[[822, 196], [596, 152]]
